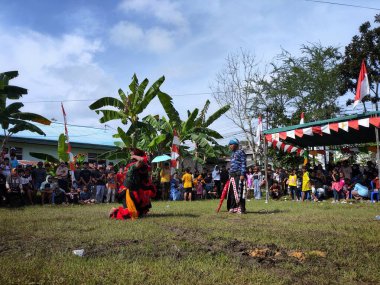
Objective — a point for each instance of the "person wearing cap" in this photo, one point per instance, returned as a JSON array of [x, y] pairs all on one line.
[[236, 190]]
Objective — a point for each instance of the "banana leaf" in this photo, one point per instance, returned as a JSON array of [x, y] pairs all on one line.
[[44, 157]]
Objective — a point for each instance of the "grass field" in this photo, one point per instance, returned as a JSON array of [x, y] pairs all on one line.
[[188, 243]]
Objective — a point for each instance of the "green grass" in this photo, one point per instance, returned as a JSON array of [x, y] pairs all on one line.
[[188, 243]]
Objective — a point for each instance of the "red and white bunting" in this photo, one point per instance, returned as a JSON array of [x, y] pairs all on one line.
[[325, 129], [364, 122], [278, 139], [343, 126], [308, 131], [283, 147], [291, 134]]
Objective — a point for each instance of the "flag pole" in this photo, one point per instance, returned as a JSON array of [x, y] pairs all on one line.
[[377, 153], [266, 170]]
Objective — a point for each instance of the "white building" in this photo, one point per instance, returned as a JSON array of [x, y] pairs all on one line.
[[26, 145]]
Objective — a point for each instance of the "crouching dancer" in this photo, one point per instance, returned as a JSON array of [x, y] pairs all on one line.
[[138, 190], [236, 190]]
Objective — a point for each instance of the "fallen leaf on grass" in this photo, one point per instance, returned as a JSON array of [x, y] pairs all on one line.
[[317, 253], [259, 252], [297, 254]]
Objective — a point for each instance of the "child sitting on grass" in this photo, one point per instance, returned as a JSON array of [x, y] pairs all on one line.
[[73, 196], [85, 196], [274, 190], [347, 188]]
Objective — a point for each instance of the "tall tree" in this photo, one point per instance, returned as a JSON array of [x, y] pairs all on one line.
[[364, 46], [12, 119], [236, 85], [308, 83]]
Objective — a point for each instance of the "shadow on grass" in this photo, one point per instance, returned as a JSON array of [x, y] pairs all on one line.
[[265, 212], [163, 215]]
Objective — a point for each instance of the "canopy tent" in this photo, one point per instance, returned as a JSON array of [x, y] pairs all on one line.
[[351, 129], [345, 130]]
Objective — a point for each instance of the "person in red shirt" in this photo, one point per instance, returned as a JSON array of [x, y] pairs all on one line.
[[120, 176]]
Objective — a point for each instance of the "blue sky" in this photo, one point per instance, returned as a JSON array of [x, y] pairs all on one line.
[[84, 50]]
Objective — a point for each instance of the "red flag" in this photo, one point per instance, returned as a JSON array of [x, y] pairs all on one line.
[[66, 131], [302, 121], [362, 88], [175, 152]]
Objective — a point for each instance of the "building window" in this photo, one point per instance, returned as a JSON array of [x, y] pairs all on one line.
[[19, 153], [92, 157]]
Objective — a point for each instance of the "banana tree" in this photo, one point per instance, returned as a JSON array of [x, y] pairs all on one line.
[[195, 129], [12, 120], [128, 108], [61, 151]]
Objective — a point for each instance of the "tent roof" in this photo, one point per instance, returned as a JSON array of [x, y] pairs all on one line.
[[351, 129]]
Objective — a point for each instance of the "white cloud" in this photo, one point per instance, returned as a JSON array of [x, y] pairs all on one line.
[[126, 34], [55, 68], [165, 11], [156, 39], [165, 26]]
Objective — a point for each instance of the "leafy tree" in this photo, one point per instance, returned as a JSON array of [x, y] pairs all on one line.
[[127, 110], [309, 83], [12, 120], [236, 85], [364, 46]]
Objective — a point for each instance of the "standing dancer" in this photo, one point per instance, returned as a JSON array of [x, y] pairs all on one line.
[[236, 189], [138, 188]]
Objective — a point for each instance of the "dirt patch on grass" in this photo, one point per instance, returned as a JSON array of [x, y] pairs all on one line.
[[269, 254], [101, 250], [272, 254]]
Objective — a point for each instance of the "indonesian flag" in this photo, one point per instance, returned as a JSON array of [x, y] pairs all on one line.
[[175, 152], [362, 89], [259, 131], [71, 157], [66, 131], [302, 121]]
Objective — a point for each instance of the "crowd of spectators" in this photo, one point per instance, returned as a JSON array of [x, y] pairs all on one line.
[[341, 182], [93, 183], [45, 183]]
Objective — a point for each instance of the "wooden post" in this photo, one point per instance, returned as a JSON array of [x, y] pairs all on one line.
[[266, 170]]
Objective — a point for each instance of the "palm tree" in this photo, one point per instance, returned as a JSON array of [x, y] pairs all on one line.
[[12, 120]]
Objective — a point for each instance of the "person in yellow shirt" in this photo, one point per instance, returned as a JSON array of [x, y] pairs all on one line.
[[165, 181], [187, 180], [292, 184], [306, 185]]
